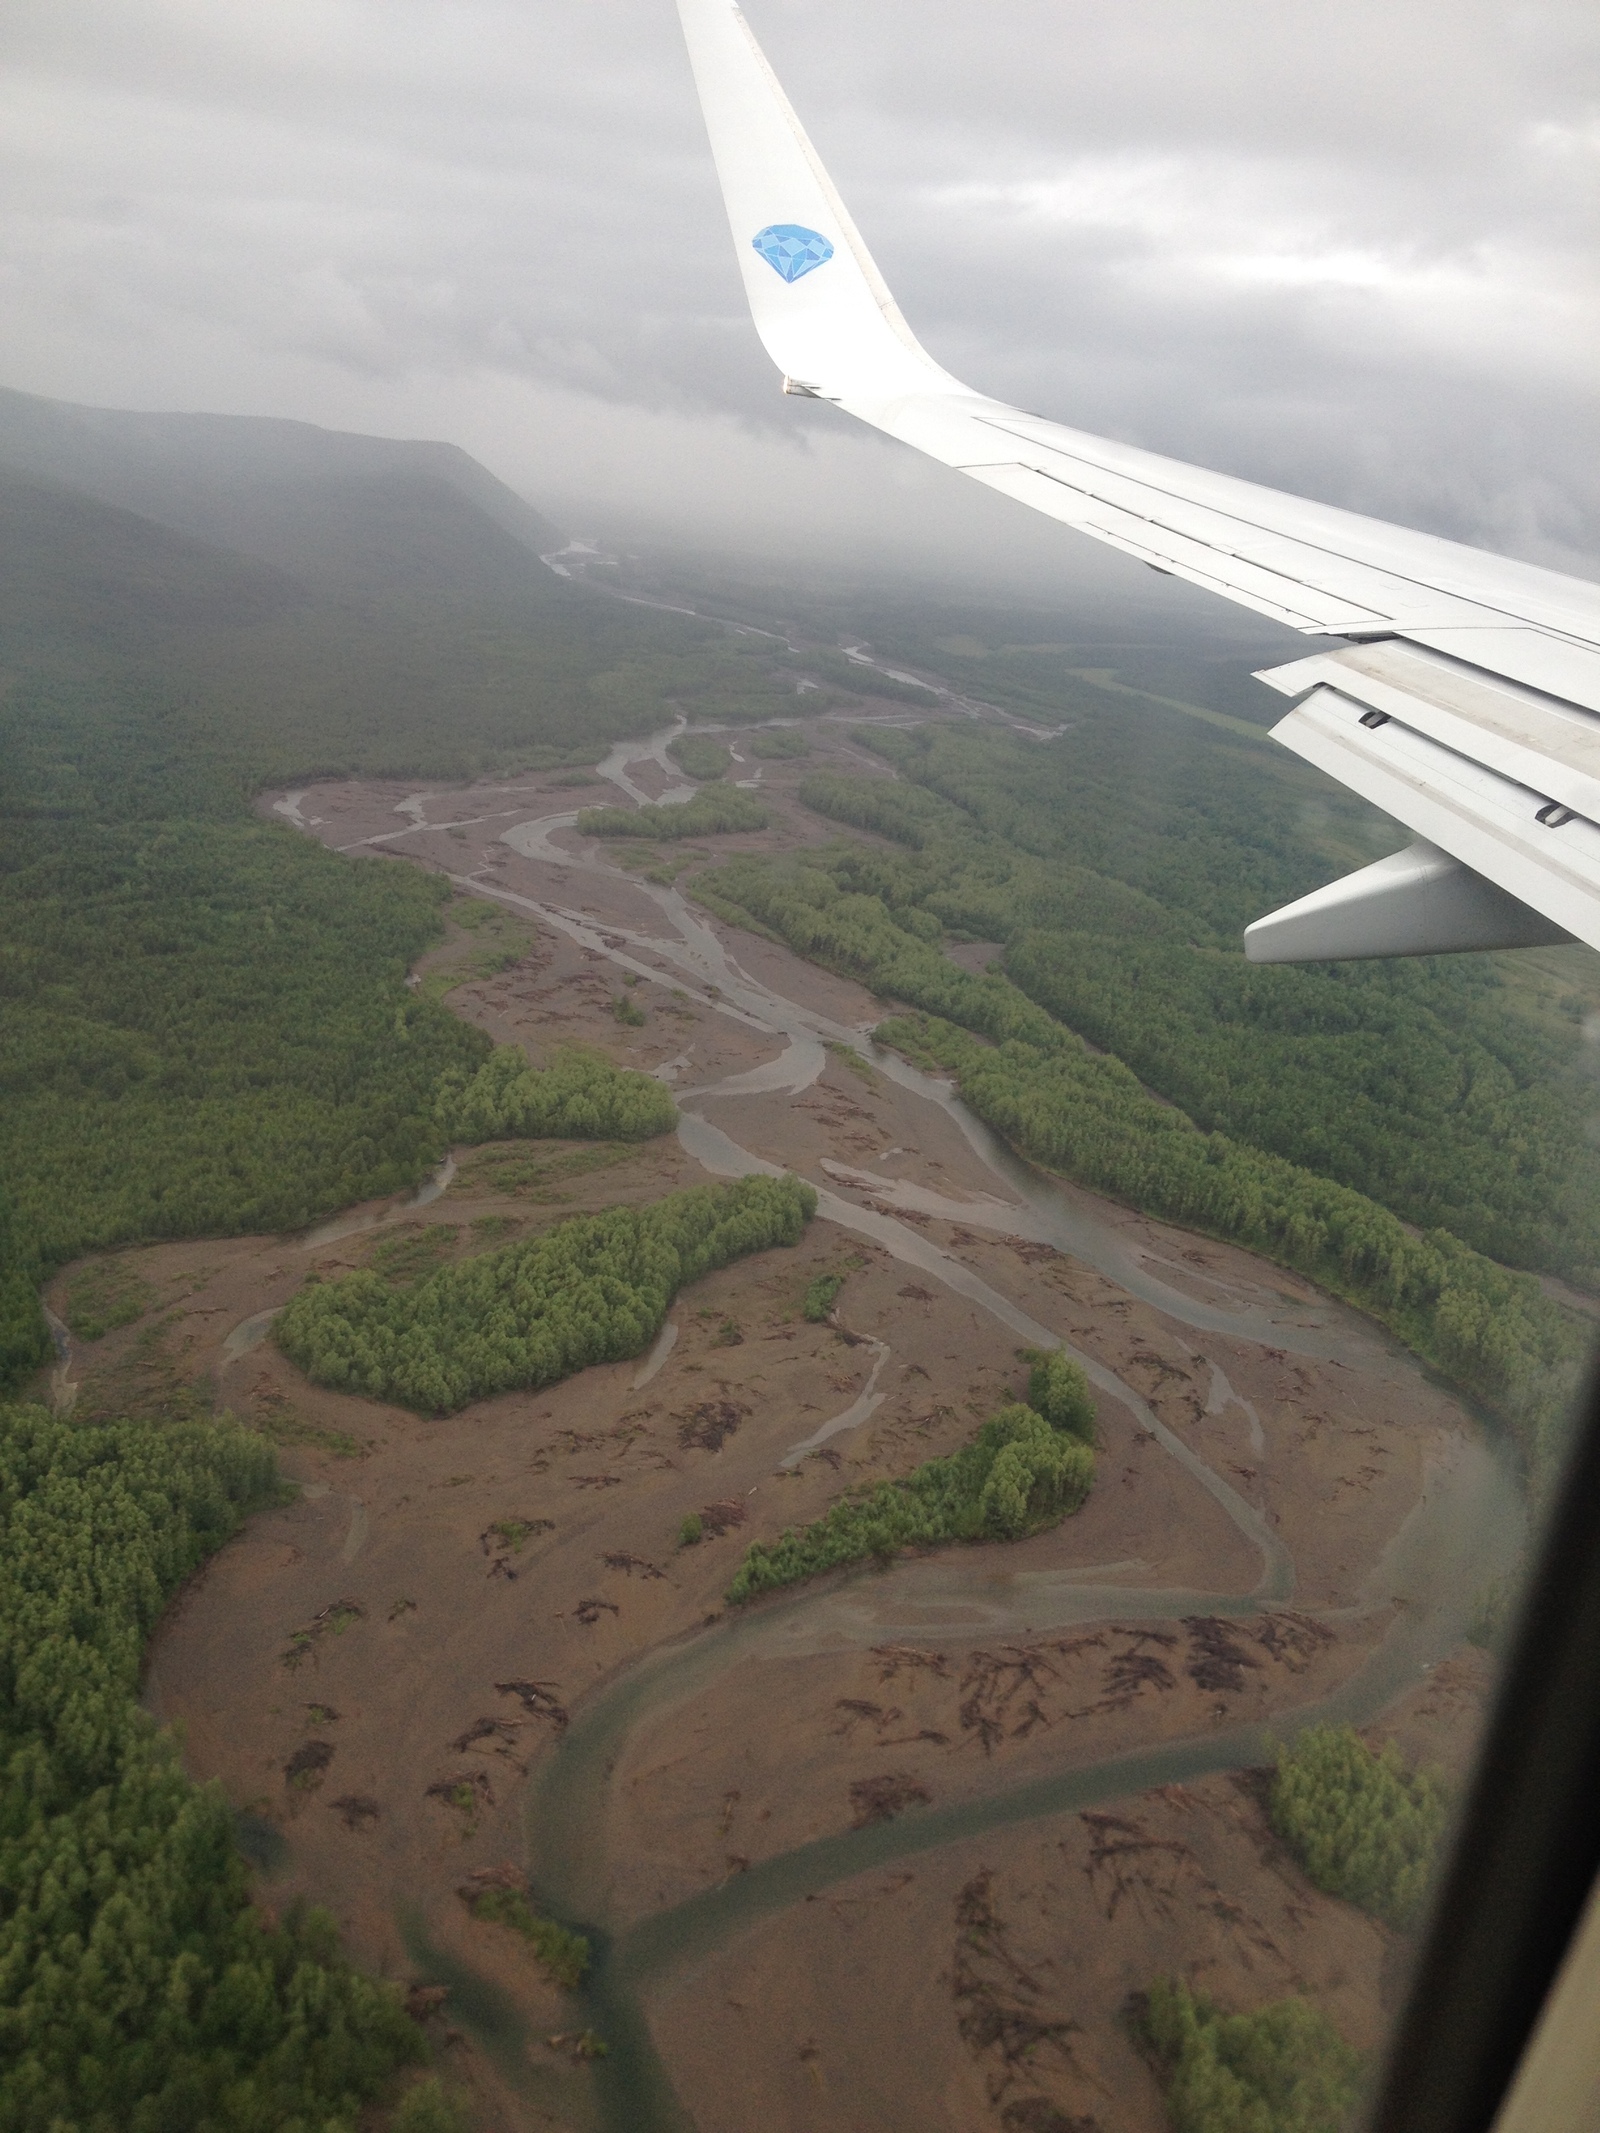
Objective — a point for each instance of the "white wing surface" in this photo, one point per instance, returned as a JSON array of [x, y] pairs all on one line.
[[1467, 700]]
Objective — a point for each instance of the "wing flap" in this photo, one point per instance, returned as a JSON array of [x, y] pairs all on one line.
[[1552, 749], [1557, 666], [1489, 822]]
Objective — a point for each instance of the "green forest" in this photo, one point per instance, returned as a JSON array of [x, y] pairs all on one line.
[[1282, 2069], [1415, 1082], [1028, 1467], [700, 757], [713, 811], [578, 1096], [207, 1027], [593, 1289], [776, 744], [142, 1988], [1362, 1825], [377, 625], [204, 1021], [1087, 1115]]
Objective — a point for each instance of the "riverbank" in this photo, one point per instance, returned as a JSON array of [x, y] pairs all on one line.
[[1269, 1459]]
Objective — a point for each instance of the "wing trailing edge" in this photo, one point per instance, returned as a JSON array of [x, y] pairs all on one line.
[[1467, 701]]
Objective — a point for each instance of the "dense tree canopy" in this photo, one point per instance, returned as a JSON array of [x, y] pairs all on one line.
[[779, 743], [207, 1028], [579, 1095], [1119, 887], [1282, 2069], [713, 810], [593, 1289], [1017, 1475], [1362, 1825], [139, 1988]]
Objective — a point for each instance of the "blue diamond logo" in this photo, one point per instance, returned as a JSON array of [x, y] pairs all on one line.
[[792, 250]]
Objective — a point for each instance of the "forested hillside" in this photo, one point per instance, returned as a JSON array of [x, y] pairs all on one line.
[[321, 604], [204, 1024], [1118, 866]]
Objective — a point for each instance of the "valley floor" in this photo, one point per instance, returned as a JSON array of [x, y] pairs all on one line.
[[832, 1841]]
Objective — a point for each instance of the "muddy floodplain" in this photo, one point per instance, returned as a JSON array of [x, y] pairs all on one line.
[[890, 1851]]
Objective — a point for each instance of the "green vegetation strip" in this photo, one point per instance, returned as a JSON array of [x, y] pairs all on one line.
[[710, 812], [580, 1095], [1078, 1112], [564, 1954], [1027, 1468], [1283, 2069], [142, 1988], [698, 756], [1118, 866], [1362, 1825], [777, 744], [595, 1289], [817, 1304]]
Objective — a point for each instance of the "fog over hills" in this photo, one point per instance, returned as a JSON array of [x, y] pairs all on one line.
[[74, 570], [320, 600], [370, 514]]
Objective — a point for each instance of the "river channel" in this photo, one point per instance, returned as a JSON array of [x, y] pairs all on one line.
[[1465, 1527]]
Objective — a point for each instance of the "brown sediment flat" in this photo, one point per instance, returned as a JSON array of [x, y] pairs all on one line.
[[445, 1595], [991, 1984], [714, 1787]]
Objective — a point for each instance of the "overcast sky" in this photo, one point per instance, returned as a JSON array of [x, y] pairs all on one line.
[[1349, 250]]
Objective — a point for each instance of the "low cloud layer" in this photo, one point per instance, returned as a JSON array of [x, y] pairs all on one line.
[[1349, 252]]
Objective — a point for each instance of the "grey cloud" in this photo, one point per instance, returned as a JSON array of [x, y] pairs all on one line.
[[1346, 251]]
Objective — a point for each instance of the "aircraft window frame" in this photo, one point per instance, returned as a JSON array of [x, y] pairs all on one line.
[[1527, 1848]]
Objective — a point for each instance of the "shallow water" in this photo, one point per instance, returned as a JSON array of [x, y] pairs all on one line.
[[1464, 1528], [861, 1409], [343, 1226]]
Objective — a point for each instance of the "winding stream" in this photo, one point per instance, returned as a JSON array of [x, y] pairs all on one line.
[[1463, 1529]]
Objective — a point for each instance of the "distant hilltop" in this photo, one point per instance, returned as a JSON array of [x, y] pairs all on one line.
[[330, 509]]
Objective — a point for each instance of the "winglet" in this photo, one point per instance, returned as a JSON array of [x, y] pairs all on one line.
[[1416, 902], [820, 305]]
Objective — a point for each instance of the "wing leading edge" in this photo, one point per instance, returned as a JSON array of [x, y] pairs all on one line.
[[1466, 702]]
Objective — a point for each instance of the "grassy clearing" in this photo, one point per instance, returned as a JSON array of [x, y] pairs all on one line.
[[565, 1955]]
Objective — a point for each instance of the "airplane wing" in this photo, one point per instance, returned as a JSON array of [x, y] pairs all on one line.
[[1466, 699]]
